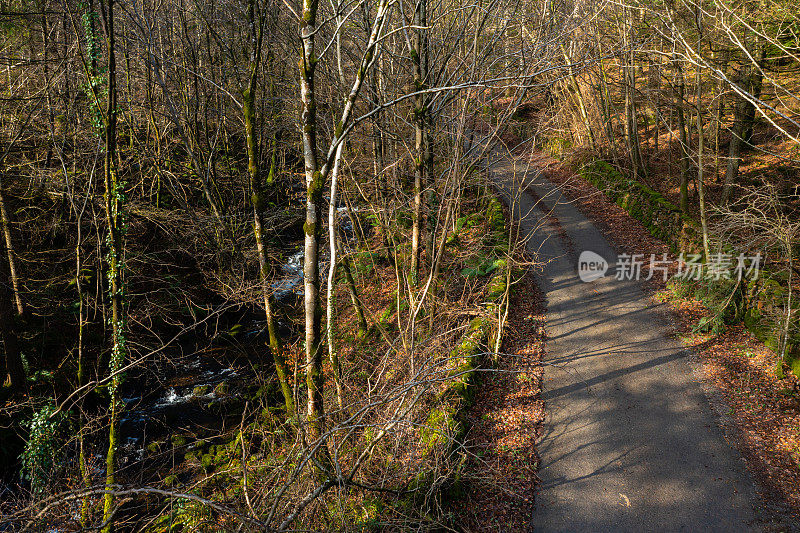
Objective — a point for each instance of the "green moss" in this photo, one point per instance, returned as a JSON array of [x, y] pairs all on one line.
[[369, 513], [387, 313], [494, 215], [222, 456], [440, 427], [314, 188], [496, 286], [199, 444], [258, 201]]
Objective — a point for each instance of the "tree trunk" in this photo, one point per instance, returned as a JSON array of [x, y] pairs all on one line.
[[680, 103], [419, 55], [701, 142], [351, 288], [735, 145], [719, 110], [258, 201], [744, 117], [13, 361], [333, 235], [756, 85], [605, 105], [114, 205], [315, 413], [629, 85], [579, 101], [12, 261]]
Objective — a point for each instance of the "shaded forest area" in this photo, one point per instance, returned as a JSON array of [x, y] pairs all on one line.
[[249, 264]]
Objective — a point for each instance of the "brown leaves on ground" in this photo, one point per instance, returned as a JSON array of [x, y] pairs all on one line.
[[504, 424], [734, 363]]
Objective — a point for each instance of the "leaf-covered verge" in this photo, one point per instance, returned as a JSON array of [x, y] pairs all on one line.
[[505, 421]]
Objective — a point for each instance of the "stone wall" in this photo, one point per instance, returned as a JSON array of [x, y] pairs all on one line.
[[759, 303]]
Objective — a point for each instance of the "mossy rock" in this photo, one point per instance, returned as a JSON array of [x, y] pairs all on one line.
[[207, 462], [199, 444], [420, 483], [178, 440], [494, 215], [171, 480], [222, 456], [496, 287], [155, 446], [200, 390], [460, 390], [480, 324], [793, 359], [440, 428], [222, 389]]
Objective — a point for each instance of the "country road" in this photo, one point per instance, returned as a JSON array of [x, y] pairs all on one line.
[[630, 442]]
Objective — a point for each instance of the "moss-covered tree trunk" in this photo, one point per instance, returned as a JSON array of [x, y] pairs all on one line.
[[315, 413], [256, 24], [333, 353], [11, 254], [750, 83], [115, 222]]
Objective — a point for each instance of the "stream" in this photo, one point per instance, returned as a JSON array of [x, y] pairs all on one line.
[[202, 392]]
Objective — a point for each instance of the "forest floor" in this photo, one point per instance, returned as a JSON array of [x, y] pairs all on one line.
[[737, 368]]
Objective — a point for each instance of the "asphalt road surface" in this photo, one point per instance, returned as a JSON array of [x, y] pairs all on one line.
[[631, 442]]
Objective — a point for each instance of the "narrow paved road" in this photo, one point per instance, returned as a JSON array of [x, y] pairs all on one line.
[[631, 442]]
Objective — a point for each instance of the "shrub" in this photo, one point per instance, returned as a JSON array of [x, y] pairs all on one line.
[[40, 454]]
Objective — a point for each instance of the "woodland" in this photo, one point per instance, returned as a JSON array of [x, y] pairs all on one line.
[[252, 256]]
